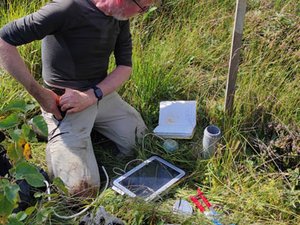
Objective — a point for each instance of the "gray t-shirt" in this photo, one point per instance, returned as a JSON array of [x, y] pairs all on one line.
[[78, 40]]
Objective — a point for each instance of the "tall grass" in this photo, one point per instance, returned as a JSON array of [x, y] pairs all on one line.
[[11, 10], [181, 51]]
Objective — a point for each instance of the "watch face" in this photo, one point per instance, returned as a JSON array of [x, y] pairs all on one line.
[[98, 93]]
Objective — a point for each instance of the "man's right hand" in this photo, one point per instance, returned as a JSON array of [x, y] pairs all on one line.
[[49, 101]]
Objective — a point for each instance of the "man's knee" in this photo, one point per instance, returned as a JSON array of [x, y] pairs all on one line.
[[74, 162], [84, 189]]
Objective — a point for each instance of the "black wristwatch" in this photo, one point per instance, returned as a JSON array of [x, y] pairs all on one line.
[[98, 92]]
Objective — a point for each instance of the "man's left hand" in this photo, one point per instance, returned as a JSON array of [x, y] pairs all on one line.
[[73, 101]]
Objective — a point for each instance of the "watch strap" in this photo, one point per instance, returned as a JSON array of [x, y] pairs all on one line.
[[98, 92]]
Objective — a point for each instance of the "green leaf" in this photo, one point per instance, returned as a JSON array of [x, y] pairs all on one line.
[[30, 210], [25, 130], [60, 185], [11, 192], [30, 173], [14, 221], [30, 107], [14, 154], [39, 125], [38, 194], [6, 207], [21, 216], [43, 215], [3, 183], [15, 105], [15, 134], [28, 133], [11, 121]]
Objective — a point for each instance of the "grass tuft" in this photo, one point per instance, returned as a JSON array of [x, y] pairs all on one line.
[[181, 52]]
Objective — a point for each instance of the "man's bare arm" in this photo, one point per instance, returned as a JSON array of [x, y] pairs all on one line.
[[115, 80], [76, 101], [12, 62]]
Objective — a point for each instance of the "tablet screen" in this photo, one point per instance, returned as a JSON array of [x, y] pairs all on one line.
[[149, 178]]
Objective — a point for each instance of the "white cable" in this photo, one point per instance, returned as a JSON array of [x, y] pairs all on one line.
[[48, 190], [116, 169], [127, 164], [84, 210]]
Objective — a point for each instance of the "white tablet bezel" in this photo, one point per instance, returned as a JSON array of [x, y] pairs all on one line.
[[117, 186]]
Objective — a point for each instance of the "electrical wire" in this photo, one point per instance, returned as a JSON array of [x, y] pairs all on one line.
[[84, 210], [106, 185], [123, 171]]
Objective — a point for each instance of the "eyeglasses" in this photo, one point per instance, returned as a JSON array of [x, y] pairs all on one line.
[[143, 9]]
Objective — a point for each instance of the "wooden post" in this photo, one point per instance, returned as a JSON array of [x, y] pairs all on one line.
[[235, 54]]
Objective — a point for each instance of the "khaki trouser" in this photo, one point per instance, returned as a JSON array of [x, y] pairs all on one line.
[[69, 152]]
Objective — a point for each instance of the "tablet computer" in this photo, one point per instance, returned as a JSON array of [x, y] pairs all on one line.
[[149, 179]]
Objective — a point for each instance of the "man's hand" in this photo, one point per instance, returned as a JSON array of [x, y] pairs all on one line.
[[49, 102], [75, 101]]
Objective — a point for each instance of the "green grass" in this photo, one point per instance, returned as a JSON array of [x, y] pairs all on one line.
[[181, 51]]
